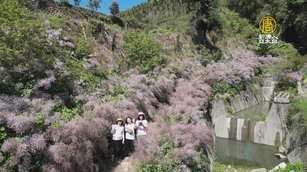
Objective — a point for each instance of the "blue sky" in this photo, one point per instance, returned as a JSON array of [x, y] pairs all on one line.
[[104, 7]]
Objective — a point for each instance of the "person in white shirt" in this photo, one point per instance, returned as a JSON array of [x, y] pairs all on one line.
[[141, 127], [129, 134], [118, 138]]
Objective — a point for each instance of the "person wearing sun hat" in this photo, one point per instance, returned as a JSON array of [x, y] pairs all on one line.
[[118, 138], [141, 127]]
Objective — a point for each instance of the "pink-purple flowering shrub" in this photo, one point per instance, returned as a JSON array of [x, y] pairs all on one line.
[[162, 89], [244, 65], [57, 107], [229, 78], [45, 127], [295, 76], [176, 104]]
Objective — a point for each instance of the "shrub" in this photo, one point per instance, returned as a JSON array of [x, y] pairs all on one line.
[[164, 163], [118, 90], [293, 167], [162, 89], [57, 21], [24, 49], [84, 48], [297, 121], [160, 30], [22, 38], [142, 51], [89, 79], [300, 106], [3, 133], [66, 113], [56, 124], [222, 87], [168, 165], [208, 56], [284, 84], [69, 114], [246, 9], [232, 28], [293, 60], [113, 27], [39, 119]]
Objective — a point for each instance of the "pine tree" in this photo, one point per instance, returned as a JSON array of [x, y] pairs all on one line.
[[114, 8], [94, 4], [77, 2], [64, 2]]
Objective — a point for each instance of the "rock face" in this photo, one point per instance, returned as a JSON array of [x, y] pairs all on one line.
[[268, 132], [298, 155]]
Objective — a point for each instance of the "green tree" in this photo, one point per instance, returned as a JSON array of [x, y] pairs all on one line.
[[23, 41], [94, 4], [77, 2], [22, 36], [64, 2], [114, 8], [247, 9], [290, 15], [23, 46]]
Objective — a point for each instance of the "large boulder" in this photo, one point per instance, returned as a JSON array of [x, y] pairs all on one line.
[[279, 166]]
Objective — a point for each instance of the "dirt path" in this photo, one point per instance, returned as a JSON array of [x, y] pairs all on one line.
[[129, 164]]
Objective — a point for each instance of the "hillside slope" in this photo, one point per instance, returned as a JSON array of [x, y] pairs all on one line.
[[67, 73]]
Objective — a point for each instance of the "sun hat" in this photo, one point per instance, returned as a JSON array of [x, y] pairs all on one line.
[[119, 119], [141, 113]]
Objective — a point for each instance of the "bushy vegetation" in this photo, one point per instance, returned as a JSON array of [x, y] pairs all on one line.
[[165, 163], [223, 87], [42, 73], [142, 51], [294, 60], [242, 32], [293, 167], [56, 105], [162, 165], [92, 4], [218, 167], [24, 48], [209, 56], [60, 121], [290, 70], [289, 14], [298, 120], [231, 30], [234, 76]]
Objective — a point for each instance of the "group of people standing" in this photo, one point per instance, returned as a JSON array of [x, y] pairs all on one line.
[[124, 133]]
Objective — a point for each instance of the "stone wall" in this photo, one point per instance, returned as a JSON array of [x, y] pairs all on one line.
[[269, 132]]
